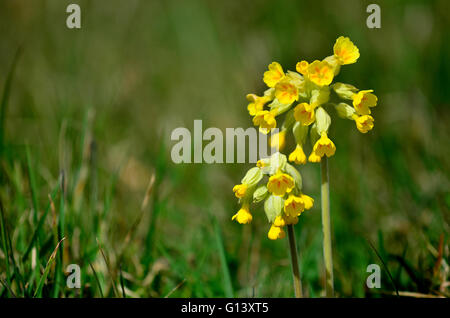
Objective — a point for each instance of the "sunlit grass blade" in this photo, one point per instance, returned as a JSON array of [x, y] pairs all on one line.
[[61, 227], [51, 260], [108, 266], [97, 280], [39, 226]]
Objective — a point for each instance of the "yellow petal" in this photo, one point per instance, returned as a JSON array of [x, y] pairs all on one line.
[[345, 51]]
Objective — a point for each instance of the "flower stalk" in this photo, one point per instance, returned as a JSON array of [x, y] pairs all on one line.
[[294, 262], [326, 228]]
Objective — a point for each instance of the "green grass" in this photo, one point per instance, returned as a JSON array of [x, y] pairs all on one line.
[[85, 125]]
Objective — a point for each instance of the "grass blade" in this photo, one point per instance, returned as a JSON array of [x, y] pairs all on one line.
[[116, 293], [51, 260], [39, 226], [121, 282], [97, 280], [8, 288], [384, 265], [4, 242], [175, 288], [61, 226], [227, 285]]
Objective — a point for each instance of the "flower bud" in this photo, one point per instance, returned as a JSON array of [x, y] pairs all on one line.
[[273, 207], [323, 120], [252, 177], [295, 175], [260, 194], [277, 162], [345, 91], [320, 96], [314, 134], [300, 133], [345, 111]]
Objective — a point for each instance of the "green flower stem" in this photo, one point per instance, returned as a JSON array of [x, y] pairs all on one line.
[[326, 228], [294, 261]]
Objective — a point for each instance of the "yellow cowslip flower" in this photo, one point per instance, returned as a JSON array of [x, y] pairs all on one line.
[[265, 120], [302, 67], [279, 221], [304, 113], [363, 100], [240, 190], [320, 73], [298, 156], [313, 157], [293, 206], [243, 216], [324, 146], [364, 123], [280, 183], [276, 232], [274, 74], [307, 201], [345, 51], [278, 140], [286, 92], [256, 103]]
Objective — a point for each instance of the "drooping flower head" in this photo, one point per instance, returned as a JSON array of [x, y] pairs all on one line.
[[256, 103], [265, 120], [282, 194], [324, 146], [363, 100], [243, 216], [364, 123], [240, 190], [303, 100], [307, 201], [298, 156], [276, 233], [293, 206], [280, 183]]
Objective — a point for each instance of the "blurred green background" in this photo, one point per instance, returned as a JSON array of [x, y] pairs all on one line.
[[94, 108]]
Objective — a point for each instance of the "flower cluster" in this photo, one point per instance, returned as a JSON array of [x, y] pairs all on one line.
[[304, 95], [281, 192]]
